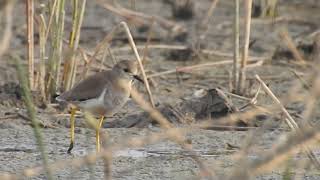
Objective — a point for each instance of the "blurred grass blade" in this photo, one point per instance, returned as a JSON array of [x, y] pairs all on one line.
[[32, 114]]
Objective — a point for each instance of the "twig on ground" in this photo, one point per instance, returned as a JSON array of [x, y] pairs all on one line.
[[197, 67]]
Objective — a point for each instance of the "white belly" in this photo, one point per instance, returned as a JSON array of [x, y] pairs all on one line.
[[93, 103]]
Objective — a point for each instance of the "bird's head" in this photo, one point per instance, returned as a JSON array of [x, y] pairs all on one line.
[[127, 69]]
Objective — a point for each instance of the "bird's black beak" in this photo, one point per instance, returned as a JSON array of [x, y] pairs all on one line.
[[138, 78]]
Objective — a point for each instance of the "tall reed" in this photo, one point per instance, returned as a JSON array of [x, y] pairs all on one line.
[[55, 54], [69, 71]]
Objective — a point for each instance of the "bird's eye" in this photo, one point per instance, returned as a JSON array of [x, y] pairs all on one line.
[[126, 70]]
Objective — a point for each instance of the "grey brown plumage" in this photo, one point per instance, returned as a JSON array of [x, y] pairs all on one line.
[[102, 94], [105, 92]]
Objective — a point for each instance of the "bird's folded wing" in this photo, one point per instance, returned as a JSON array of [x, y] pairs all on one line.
[[90, 88]]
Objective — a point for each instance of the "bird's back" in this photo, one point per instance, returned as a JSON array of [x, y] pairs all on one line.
[[100, 94], [88, 88]]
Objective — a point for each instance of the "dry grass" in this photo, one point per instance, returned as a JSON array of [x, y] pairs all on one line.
[[245, 52], [49, 80], [4, 44], [284, 35], [30, 23]]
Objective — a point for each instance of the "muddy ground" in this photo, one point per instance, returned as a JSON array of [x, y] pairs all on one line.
[[164, 160]]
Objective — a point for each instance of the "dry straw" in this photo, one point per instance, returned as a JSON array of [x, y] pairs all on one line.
[[284, 35], [245, 53], [5, 41], [30, 35], [70, 66], [53, 30], [289, 120], [236, 39]]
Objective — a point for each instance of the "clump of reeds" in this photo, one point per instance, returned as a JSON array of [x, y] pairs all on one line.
[[50, 77]]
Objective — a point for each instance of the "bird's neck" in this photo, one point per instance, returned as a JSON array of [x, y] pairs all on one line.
[[124, 84]]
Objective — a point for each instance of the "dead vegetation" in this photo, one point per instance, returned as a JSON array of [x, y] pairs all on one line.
[[243, 102]]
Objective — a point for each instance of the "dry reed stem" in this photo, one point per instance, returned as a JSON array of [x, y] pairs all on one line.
[[237, 96], [164, 123], [134, 48], [197, 67], [76, 42], [59, 41], [5, 41], [42, 49], [284, 35], [213, 5], [242, 76], [75, 16], [84, 56], [71, 65], [53, 10], [236, 38], [183, 47], [303, 82], [313, 97], [55, 56], [289, 120], [253, 101], [105, 40], [30, 39]]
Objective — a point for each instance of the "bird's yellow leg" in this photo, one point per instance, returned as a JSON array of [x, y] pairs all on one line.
[[98, 134], [73, 112]]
